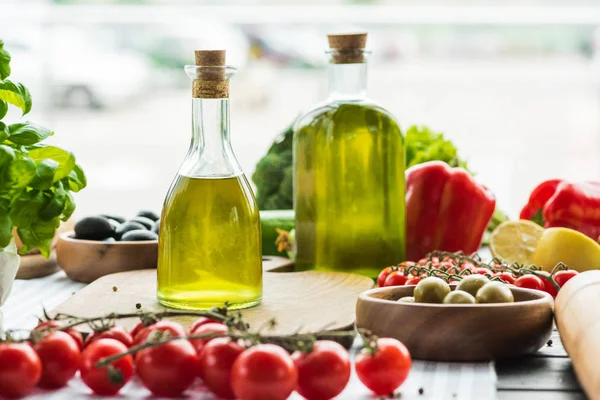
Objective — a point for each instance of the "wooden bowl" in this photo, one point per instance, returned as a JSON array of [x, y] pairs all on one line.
[[459, 332], [88, 260]]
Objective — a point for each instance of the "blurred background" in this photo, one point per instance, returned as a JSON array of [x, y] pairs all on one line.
[[514, 84]]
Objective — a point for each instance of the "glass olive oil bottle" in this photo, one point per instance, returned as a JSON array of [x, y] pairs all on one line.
[[349, 162], [210, 241]]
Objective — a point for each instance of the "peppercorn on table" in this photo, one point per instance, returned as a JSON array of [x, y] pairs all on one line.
[[545, 375]]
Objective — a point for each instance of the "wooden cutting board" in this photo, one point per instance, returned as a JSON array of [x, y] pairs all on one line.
[[308, 301]]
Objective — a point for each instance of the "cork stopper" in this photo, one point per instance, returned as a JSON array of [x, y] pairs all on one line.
[[348, 48], [212, 82]]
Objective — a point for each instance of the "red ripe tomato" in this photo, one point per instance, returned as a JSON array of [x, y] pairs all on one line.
[[507, 277], [483, 271], [216, 328], [467, 265], [168, 369], [324, 372], [20, 369], [116, 332], [216, 360], [202, 321], [413, 281], [136, 329], [175, 329], [384, 371], [530, 282], [98, 378], [383, 276], [60, 358], [265, 371], [453, 282], [548, 287], [445, 265], [74, 333], [395, 279], [562, 277]]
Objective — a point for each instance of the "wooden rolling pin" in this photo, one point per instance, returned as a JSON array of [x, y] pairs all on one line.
[[577, 313]]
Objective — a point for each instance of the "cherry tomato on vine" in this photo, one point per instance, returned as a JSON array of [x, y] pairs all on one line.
[[453, 282], [396, 279], [136, 329], [202, 321], [60, 357], [169, 369], [507, 277], [530, 282], [216, 328], [324, 372], [413, 281], [386, 369], [562, 277], [174, 329], [74, 333], [383, 276], [20, 369], [467, 265], [265, 371], [483, 271], [100, 379], [216, 360], [116, 332], [548, 287]]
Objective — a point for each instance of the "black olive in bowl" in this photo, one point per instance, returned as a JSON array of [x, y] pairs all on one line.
[[114, 217], [93, 228], [127, 227], [138, 235], [147, 222], [148, 214]]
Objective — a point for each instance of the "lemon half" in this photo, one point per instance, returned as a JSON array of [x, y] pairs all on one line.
[[568, 246], [516, 241]]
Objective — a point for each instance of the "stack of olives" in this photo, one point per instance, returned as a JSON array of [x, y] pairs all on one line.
[[111, 228], [471, 289]]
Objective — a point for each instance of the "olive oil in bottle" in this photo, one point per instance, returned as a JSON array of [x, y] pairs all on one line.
[[210, 241], [349, 163]]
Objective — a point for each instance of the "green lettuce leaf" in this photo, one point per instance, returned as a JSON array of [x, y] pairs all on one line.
[[15, 94]]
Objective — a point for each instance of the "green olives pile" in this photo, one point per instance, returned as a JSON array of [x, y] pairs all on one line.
[[473, 289], [111, 228]]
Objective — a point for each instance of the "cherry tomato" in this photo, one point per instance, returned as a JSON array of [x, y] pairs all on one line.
[[530, 282], [383, 276], [562, 277], [413, 281], [216, 360], [175, 329], [324, 372], [98, 378], [169, 369], [395, 279], [483, 271], [136, 329], [507, 277], [74, 333], [453, 282], [60, 358], [116, 332], [202, 321], [548, 287], [384, 371], [20, 369], [467, 265], [216, 328], [265, 371]]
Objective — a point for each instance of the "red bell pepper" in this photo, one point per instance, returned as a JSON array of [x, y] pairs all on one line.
[[446, 209], [558, 203]]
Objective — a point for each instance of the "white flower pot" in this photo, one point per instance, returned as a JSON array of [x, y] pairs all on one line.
[[9, 264]]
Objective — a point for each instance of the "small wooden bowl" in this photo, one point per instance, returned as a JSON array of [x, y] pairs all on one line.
[[87, 260], [459, 332]]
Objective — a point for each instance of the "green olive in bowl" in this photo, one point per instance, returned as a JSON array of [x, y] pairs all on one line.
[[459, 297], [472, 283], [431, 290], [494, 292]]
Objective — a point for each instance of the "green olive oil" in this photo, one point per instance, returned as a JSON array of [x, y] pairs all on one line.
[[210, 248]]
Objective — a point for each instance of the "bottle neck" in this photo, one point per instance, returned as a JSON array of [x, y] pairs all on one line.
[[348, 81], [210, 125]]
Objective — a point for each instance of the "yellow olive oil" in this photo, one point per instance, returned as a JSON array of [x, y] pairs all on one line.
[[349, 189], [210, 244]]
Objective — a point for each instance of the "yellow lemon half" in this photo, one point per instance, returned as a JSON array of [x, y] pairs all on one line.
[[515, 241], [568, 246]]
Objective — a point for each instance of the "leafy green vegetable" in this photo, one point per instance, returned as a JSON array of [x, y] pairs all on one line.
[[36, 180], [422, 145]]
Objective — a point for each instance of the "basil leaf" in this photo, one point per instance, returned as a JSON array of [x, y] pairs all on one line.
[[21, 172], [3, 108], [69, 207], [65, 159], [26, 207], [56, 205], [28, 133], [15, 94], [5, 230], [3, 131], [38, 235], [44, 174], [7, 154], [4, 62], [76, 179]]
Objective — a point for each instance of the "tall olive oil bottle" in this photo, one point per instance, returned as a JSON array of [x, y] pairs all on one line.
[[349, 162], [209, 241]]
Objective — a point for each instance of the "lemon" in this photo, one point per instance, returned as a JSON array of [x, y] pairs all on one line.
[[515, 241], [568, 246]]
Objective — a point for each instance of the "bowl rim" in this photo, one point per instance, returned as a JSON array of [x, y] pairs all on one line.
[[544, 298], [68, 237]]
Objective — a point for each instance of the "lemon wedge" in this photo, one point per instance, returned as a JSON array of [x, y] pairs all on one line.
[[516, 241], [568, 246]]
